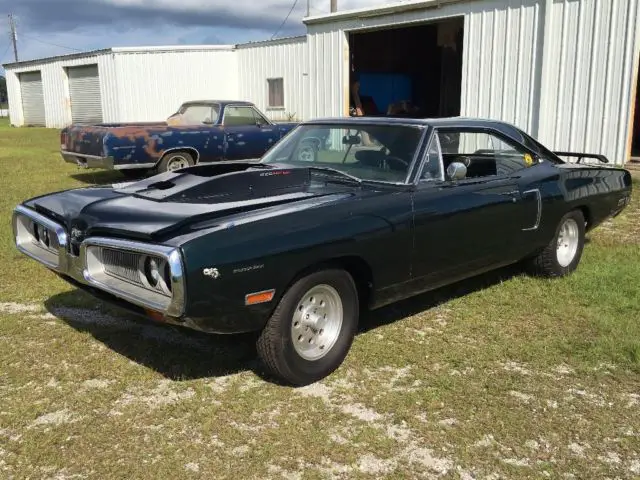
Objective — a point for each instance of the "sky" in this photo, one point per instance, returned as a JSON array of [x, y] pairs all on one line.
[[56, 27]]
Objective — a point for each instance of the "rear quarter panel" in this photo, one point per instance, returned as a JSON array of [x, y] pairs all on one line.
[[602, 191], [139, 144]]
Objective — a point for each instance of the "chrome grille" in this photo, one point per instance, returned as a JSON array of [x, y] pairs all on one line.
[[123, 265]]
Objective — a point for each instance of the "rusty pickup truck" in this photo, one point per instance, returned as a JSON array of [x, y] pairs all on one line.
[[200, 131]]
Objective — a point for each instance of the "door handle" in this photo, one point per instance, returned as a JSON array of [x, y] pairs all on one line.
[[513, 194]]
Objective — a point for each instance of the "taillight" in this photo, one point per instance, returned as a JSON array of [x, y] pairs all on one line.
[[63, 140]]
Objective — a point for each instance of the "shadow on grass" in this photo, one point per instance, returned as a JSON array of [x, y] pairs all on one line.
[[105, 177], [182, 354]]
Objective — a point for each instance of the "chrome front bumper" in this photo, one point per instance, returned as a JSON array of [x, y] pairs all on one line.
[[57, 255], [94, 161]]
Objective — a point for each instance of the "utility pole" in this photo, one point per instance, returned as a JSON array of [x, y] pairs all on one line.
[[334, 6], [14, 35], [308, 7]]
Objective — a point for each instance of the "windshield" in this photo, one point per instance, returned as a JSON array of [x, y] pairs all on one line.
[[368, 152]]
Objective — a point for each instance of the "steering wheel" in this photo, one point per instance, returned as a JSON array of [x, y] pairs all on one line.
[[388, 161]]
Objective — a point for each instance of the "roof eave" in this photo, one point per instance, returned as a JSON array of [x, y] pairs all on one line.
[[378, 11]]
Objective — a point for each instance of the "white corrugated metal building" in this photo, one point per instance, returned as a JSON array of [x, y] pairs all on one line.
[[118, 84], [564, 70]]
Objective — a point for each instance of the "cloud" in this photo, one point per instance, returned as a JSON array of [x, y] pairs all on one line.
[[55, 27]]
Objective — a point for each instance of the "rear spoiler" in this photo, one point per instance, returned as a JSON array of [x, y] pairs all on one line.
[[580, 156]]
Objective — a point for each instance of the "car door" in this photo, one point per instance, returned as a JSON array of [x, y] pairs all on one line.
[[465, 226], [247, 136], [196, 126]]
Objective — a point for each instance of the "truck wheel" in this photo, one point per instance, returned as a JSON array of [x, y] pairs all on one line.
[[312, 328], [562, 255], [175, 160]]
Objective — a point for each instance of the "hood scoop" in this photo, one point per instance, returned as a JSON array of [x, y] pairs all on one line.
[[219, 183]]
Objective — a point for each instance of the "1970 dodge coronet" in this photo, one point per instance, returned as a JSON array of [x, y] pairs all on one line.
[[296, 246], [200, 131]]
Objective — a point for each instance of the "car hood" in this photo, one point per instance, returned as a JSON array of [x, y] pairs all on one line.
[[163, 204]]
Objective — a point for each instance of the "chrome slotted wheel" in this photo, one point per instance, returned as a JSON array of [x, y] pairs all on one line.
[[177, 162], [316, 322], [568, 241]]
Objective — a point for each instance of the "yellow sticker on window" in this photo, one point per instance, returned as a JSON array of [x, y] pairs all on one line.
[[528, 159]]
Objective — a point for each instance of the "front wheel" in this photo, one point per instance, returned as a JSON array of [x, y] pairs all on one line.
[[312, 328], [562, 255]]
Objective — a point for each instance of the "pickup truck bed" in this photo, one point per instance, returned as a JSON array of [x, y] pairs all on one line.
[[231, 131]]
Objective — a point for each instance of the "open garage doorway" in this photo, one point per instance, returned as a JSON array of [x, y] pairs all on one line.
[[412, 71]]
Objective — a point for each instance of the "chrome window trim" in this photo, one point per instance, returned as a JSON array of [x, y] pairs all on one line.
[[61, 234], [176, 306]]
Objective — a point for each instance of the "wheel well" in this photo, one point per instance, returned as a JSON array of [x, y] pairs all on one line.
[[587, 216], [191, 151], [359, 270]]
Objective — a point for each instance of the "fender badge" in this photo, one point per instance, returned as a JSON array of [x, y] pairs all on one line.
[[211, 272]]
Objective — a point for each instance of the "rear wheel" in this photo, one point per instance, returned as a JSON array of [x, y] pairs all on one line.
[[562, 255], [312, 328], [175, 160]]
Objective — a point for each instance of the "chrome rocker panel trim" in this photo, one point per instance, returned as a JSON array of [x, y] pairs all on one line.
[[94, 161]]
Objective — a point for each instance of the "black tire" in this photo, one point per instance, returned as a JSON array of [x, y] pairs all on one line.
[[547, 263], [174, 160], [275, 344]]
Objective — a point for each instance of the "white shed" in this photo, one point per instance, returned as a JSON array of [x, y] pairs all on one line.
[[118, 84]]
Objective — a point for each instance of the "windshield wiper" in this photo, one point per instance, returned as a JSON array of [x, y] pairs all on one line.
[[343, 175]]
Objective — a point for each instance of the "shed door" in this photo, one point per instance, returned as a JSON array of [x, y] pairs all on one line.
[[84, 90], [32, 99]]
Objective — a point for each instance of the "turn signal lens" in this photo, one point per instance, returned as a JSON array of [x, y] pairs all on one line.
[[259, 297]]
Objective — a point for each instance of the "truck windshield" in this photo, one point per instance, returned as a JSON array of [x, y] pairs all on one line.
[[368, 152]]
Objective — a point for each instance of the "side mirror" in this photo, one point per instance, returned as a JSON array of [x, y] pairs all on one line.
[[456, 171]]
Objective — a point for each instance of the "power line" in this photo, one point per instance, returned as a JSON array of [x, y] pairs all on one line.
[[49, 43], [285, 19], [5, 53]]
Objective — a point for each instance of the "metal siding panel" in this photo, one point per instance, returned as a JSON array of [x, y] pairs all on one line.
[[592, 45], [84, 91], [286, 59], [152, 85], [32, 98], [500, 53]]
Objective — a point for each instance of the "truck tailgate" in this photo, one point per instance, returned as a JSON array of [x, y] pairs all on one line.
[[89, 139], [85, 139]]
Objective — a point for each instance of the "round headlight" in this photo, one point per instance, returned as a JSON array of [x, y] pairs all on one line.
[[152, 271]]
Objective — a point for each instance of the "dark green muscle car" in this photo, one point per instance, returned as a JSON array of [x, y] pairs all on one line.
[[340, 216]]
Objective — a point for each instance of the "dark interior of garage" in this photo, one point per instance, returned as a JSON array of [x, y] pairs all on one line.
[[412, 71]]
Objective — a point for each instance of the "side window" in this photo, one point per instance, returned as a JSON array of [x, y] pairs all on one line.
[[239, 117], [259, 119], [198, 114], [432, 169], [276, 93], [484, 154]]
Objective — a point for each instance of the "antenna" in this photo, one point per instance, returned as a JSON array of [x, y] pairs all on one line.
[[14, 35]]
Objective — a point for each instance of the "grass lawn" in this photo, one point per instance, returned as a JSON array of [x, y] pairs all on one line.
[[502, 376]]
